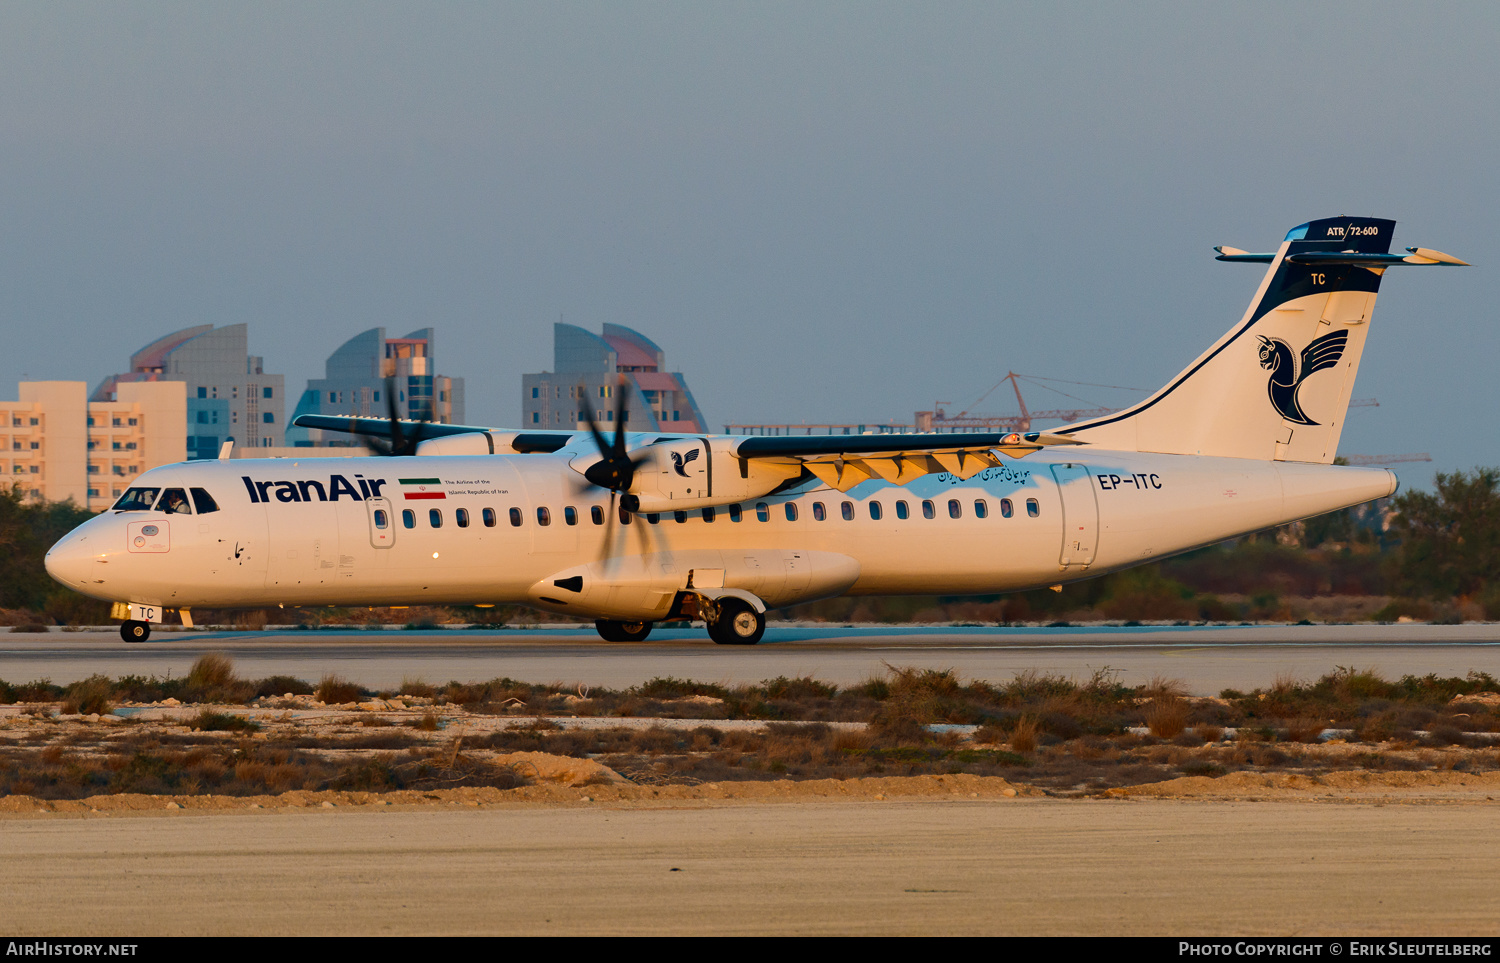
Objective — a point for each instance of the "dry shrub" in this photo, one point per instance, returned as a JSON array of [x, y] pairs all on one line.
[[89, 695], [212, 671], [417, 688], [253, 620], [337, 690], [989, 734], [209, 721], [1303, 729], [1166, 717], [428, 723], [1023, 735], [1161, 687], [282, 685], [1089, 747], [1208, 732]]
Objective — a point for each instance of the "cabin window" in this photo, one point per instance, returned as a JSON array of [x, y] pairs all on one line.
[[435, 517], [624, 516], [902, 512], [382, 521], [174, 502], [653, 517], [570, 515], [819, 512], [791, 511], [408, 518], [203, 502], [875, 511], [709, 514], [679, 516], [847, 510], [762, 512], [928, 509], [1006, 508], [488, 514], [981, 508], [515, 517], [596, 514], [734, 513], [955, 508], [1032, 508], [543, 516], [461, 516]]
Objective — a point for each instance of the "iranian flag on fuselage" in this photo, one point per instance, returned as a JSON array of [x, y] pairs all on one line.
[[414, 488]]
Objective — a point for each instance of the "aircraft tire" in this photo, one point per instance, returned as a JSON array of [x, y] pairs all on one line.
[[738, 624], [612, 631], [132, 631]]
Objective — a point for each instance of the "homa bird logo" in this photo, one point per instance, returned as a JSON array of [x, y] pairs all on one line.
[[679, 461], [1288, 371]]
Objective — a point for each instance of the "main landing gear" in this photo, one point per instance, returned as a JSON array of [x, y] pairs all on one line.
[[738, 623], [132, 631], [611, 631]]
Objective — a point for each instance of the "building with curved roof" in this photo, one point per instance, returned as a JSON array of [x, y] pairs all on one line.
[[363, 369], [587, 372], [229, 395]]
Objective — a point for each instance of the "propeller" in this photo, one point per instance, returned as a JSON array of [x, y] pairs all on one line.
[[399, 443], [615, 469]]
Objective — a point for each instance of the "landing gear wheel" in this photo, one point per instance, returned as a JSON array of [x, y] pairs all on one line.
[[135, 631], [611, 631], [738, 624]]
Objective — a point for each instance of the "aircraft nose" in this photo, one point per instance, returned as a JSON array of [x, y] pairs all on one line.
[[68, 561]]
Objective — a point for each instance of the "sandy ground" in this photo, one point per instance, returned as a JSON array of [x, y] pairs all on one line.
[[1350, 853]]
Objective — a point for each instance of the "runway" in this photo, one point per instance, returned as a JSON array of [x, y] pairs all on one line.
[[1206, 658]]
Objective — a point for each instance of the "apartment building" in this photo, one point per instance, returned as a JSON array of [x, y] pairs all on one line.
[[56, 444]]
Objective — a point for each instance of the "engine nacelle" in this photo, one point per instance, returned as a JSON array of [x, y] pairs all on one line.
[[468, 443], [687, 473]]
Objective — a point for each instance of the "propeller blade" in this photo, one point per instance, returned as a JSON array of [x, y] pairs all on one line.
[[615, 469]]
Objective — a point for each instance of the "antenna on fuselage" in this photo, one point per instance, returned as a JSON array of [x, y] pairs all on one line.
[[225, 449]]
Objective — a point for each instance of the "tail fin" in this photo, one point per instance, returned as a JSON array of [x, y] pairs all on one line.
[[1276, 386]]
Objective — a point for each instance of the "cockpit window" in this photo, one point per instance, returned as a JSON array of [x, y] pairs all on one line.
[[137, 500], [174, 502], [203, 502]]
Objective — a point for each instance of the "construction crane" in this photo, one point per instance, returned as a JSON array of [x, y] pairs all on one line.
[[939, 420]]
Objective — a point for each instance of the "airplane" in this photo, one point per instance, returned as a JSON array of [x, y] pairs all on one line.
[[648, 527]]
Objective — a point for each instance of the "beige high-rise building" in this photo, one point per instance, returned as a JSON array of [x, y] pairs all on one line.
[[57, 445]]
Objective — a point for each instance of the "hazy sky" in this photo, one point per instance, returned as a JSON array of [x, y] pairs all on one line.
[[820, 211]]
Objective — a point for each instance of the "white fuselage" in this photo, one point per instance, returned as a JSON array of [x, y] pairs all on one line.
[[348, 531]]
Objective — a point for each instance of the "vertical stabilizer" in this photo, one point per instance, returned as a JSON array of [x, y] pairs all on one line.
[[1277, 385]]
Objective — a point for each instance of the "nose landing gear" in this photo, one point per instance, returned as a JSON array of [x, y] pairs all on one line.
[[132, 631]]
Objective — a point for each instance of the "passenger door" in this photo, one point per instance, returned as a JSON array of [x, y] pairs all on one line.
[[1080, 524]]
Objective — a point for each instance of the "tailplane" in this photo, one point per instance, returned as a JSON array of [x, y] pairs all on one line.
[[1276, 386]]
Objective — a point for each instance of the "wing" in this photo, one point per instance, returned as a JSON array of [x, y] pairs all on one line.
[[380, 427], [1324, 352], [843, 461]]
